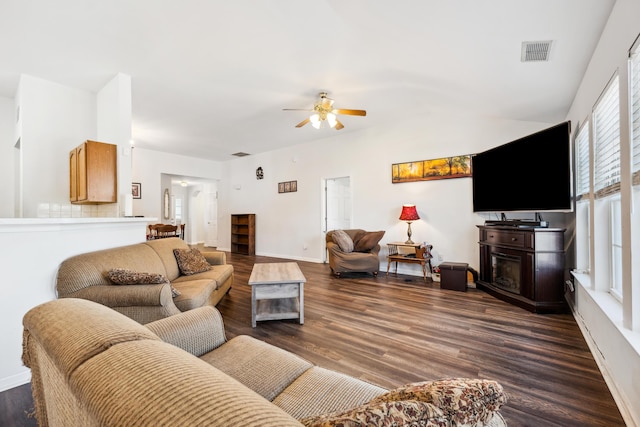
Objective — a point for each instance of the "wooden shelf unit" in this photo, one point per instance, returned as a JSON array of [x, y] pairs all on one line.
[[243, 234]]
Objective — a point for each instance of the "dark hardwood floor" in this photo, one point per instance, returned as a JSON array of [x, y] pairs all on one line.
[[395, 330]]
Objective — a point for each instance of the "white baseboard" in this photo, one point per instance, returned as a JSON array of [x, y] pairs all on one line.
[[15, 380]]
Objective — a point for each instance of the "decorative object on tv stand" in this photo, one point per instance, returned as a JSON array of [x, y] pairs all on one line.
[[409, 214]]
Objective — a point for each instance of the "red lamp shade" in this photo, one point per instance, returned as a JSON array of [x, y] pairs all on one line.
[[409, 213]]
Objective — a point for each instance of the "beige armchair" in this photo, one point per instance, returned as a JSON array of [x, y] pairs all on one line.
[[362, 257]]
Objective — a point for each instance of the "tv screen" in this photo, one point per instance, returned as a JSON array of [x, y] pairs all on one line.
[[531, 174]]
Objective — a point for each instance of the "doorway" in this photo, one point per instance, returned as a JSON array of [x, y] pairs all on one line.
[[194, 202], [337, 205]]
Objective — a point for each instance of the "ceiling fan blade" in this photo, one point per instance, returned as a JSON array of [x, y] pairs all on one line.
[[304, 122], [350, 112], [339, 125], [297, 109]]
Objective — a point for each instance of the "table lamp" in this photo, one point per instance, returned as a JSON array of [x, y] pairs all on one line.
[[409, 214]]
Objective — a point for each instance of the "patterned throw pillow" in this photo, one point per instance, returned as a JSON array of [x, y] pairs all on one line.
[[368, 241], [191, 261], [123, 276], [463, 401], [383, 414], [343, 240]]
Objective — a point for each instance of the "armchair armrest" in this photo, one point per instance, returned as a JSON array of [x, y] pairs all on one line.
[[197, 331], [128, 295], [215, 257]]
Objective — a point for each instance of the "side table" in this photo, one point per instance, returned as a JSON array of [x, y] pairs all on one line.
[[277, 292], [416, 257]]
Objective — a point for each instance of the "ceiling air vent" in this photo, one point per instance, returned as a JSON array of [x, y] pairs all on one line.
[[536, 51], [240, 154]]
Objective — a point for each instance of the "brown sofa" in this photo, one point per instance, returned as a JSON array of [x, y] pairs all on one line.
[[352, 261], [92, 366], [85, 276]]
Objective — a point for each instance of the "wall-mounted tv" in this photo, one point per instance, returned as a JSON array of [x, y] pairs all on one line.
[[530, 174]]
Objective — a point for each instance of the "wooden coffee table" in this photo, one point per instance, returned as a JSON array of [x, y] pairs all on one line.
[[277, 292]]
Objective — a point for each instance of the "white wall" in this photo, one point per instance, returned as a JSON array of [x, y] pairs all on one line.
[[616, 348], [114, 127], [286, 223], [53, 120], [148, 167], [7, 152]]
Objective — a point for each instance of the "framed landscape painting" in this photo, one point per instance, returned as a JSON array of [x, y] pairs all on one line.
[[425, 170]]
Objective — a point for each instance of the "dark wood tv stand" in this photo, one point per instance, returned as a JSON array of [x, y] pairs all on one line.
[[523, 266]]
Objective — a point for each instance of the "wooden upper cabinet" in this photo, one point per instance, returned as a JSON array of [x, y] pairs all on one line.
[[93, 173]]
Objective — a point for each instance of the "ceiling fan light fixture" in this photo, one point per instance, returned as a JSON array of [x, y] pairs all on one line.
[[324, 115], [315, 120], [331, 118]]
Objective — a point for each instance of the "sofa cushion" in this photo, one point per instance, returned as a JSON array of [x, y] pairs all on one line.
[[75, 330], [343, 240], [152, 383], [191, 261], [367, 241], [90, 269], [464, 401], [262, 367], [217, 273], [322, 391], [164, 250], [383, 414], [193, 293]]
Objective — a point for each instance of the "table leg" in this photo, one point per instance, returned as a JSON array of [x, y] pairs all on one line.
[[301, 287], [253, 305]]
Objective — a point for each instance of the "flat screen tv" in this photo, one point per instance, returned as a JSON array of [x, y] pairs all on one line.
[[530, 174]]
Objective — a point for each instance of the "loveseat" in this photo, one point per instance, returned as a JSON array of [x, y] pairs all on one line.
[[354, 250], [87, 276], [92, 366]]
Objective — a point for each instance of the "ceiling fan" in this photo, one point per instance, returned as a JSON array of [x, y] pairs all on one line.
[[323, 112]]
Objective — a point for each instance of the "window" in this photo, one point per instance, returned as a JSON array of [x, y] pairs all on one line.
[[634, 108], [178, 210], [583, 194], [616, 248], [582, 161], [606, 137], [606, 140]]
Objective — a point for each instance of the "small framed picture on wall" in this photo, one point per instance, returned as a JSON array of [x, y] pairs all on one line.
[[136, 190]]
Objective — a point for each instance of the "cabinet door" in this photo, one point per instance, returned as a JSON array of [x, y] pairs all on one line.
[[73, 175], [99, 172], [81, 172]]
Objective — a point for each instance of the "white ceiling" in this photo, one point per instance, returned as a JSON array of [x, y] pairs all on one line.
[[210, 77]]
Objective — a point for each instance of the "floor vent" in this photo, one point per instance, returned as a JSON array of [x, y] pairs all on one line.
[[536, 51]]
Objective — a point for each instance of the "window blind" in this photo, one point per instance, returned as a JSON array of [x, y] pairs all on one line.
[[606, 137], [582, 161], [634, 86]]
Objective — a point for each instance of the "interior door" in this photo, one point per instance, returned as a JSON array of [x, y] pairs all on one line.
[[211, 218], [337, 205]]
